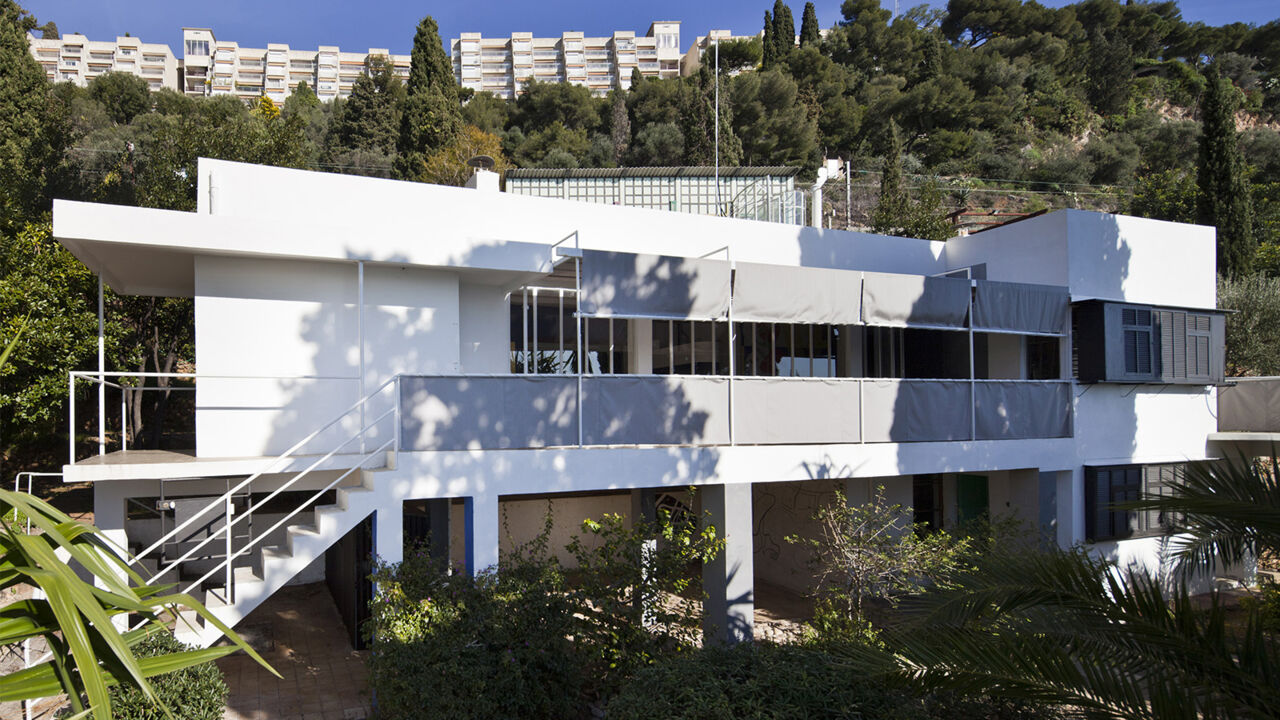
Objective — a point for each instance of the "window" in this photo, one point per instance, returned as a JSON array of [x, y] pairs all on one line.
[[1136, 324], [1106, 487], [1043, 358], [926, 502], [544, 336], [197, 47]]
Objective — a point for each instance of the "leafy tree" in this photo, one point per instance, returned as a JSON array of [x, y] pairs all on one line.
[[432, 116], [657, 144], [1168, 195], [698, 121], [487, 112], [809, 30], [1253, 331], [28, 145], [553, 146], [49, 31], [1224, 199], [123, 95], [544, 104], [46, 289], [448, 166], [265, 108]]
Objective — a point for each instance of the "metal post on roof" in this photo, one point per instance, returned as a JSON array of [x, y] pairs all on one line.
[[102, 380], [719, 211]]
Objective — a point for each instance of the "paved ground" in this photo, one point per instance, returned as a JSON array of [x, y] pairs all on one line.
[[299, 632]]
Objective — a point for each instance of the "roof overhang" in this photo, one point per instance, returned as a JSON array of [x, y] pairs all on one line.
[[144, 251]]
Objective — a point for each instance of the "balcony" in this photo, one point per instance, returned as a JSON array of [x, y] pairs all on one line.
[[518, 411]]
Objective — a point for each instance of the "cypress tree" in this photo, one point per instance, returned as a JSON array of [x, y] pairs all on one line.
[[891, 212], [619, 126], [370, 119], [809, 31], [770, 56], [1224, 195], [784, 31], [432, 116]]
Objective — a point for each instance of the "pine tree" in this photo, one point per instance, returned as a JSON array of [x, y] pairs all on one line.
[[370, 118], [784, 31], [1224, 199], [432, 115], [809, 31], [770, 56]]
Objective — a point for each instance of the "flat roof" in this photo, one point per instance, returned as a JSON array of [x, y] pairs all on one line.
[[688, 171]]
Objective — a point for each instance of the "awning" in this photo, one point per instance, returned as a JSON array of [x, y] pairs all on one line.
[[914, 300], [785, 294], [1019, 307], [616, 284]]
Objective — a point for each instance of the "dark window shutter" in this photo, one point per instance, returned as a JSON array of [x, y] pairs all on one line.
[[1179, 345]]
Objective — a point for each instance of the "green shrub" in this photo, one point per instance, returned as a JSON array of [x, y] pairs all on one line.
[[790, 682], [1267, 604], [196, 693], [777, 682], [493, 646]]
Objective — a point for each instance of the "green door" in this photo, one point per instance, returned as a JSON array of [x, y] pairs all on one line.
[[971, 497]]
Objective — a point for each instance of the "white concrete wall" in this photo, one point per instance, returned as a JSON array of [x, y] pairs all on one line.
[[289, 319], [484, 317], [1143, 423], [407, 222], [1098, 255]]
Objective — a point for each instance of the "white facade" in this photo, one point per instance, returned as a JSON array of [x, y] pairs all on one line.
[[427, 287], [504, 66], [222, 67], [77, 59], [692, 59]]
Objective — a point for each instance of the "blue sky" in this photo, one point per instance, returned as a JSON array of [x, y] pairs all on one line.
[[378, 23]]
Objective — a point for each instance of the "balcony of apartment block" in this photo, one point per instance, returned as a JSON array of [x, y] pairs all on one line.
[[790, 356]]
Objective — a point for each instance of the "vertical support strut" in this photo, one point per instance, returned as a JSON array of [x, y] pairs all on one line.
[[360, 340], [102, 379]]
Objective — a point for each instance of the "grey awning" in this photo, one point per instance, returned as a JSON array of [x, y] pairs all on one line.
[[902, 300], [779, 293], [628, 285], [792, 411], [1019, 307], [1014, 410]]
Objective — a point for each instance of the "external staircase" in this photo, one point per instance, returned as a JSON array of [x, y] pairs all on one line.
[[234, 572]]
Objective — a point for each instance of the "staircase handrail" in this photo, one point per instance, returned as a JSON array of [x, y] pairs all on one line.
[[249, 512], [270, 468]]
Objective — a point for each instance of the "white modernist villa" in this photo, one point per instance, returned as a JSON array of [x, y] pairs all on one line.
[[380, 360]]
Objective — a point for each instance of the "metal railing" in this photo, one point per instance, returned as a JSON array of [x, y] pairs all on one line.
[[100, 378], [223, 504]]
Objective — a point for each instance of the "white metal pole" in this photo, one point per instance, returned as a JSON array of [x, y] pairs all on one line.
[[848, 194], [577, 314], [729, 318], [124, 423], [102, 380], [227, 525], [524, 328], [360, 339], [973, 396], [536, 351], [719, 211], [71, 419]]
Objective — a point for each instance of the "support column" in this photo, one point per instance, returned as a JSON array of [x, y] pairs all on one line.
[[482, 532], [388, 532], [729, 580], [1070, 503], [640, 346]]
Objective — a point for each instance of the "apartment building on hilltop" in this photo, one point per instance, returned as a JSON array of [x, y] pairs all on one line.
[[221, 67], [503, 66], [76, 59], [430, 361]]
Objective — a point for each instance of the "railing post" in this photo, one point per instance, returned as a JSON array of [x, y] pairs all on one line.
[[229, 509], [360, 339], [102, 380], [577, 292], [397, 419], [71, 418], [124, 423]]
